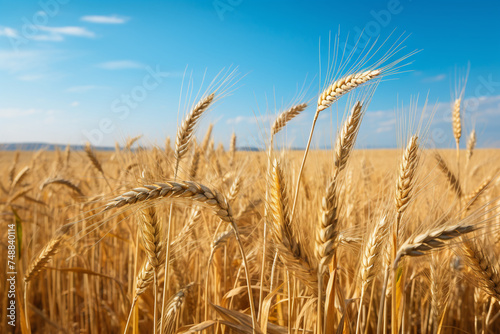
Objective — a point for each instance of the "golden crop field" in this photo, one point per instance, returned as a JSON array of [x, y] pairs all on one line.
[[193, 237]]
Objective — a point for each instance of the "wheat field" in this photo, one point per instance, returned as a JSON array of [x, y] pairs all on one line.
[[192, 237]]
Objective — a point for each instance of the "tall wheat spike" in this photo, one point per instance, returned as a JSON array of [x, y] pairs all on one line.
[[290, 250], [456, 120], [404, 186], [186, 129], [327, 232]]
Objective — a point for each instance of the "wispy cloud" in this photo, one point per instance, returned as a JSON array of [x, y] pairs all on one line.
[[436, 78], [105, 19], [8, 32], [69, 31], [49, 34], [121, 65], [250, 119]]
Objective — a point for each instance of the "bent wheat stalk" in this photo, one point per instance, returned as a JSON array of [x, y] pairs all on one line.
[[188, 190], [336, 90]]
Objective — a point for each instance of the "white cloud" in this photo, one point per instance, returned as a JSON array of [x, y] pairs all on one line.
[[8, 32], [75, 104], [69, 31], [121, 65], [110, 19], [53, 34], [47, 38], [250, 119]]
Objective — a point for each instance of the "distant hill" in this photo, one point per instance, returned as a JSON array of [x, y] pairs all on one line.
[[47, 147], [52, 147]]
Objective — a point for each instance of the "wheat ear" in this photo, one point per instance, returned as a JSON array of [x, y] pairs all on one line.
[[325, 100], [330, 95], [290, 250], [404, 187], [182, 140], [195, 162], [151, 231], [20, 177], [457, 123], [450, 176], [46, 254], [63, 182], [327, 232], [96, 163], [279, 123], [471, 198], [430, 240], [186, 129], [343, 86], [143, 280], [131, 141], [232, 148], [471, 144], [370, 254], [172, 314], [206, 138], [486, 273], [286, 116], [193, 191], [457, 130]]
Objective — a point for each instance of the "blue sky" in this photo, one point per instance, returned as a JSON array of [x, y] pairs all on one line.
[[66, 65]]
